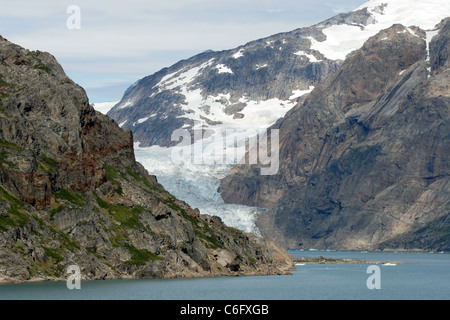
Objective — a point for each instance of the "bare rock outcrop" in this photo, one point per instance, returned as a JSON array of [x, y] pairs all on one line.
[[71, 192]]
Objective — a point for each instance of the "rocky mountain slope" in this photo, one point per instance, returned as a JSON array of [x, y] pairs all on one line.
[[254, 85], [257, 84], [364, 160], [251, 86], [71, 192]]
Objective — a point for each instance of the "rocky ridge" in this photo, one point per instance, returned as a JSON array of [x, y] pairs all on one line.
[[71, 192], [217, 89]]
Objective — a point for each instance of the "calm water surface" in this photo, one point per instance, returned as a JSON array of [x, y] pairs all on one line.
[[424, 276]]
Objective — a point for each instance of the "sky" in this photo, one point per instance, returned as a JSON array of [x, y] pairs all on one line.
[[105, 46]]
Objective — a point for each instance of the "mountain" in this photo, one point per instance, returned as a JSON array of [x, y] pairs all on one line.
[[249, 86], [307, 83], [254, 85], [364, 161], [71, 192]]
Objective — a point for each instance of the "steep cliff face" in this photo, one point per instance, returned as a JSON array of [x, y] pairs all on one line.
[[48, 118], [71, 192], [364, 161]]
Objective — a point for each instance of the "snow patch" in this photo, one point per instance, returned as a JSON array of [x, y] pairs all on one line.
[[343, 39], [142, 120], [412, 32], [223, 69], [261, 66], [238, 54], [298, 93], [127, 104], [262, 114], [430, 34], [311, 58], [183, 77]]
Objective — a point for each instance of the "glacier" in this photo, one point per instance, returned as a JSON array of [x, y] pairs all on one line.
[[197, 185]]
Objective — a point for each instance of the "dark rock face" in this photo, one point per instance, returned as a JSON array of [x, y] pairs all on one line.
[[258, 71], [364, 160], [71, 192]]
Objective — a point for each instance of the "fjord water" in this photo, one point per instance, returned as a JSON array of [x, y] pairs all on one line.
[[423, 276]]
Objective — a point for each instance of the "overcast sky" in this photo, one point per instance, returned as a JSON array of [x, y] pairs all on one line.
[[120, 42]]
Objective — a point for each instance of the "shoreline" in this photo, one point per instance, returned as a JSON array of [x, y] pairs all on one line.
[[8, 280], [296, 261], [323, 260]]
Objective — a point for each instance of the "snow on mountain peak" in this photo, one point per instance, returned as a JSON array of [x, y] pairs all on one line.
[[242, 89], [345, 38], [422, 13]]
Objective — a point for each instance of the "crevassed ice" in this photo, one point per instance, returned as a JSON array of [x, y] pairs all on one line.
[[197, 185]]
